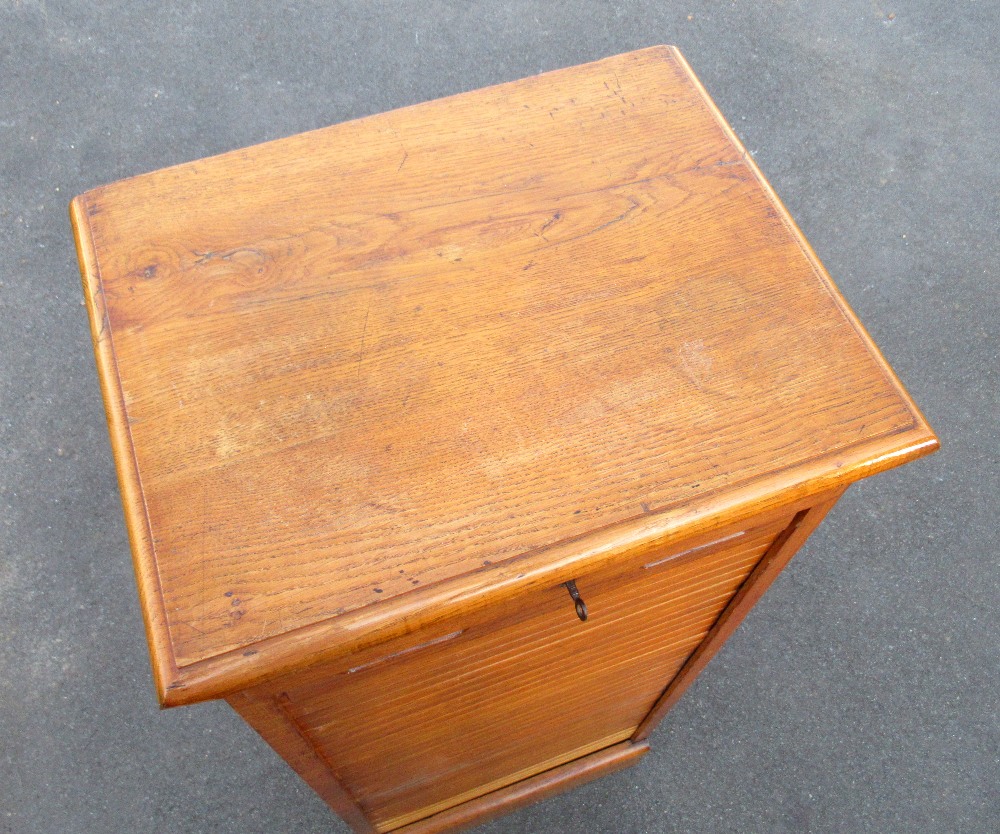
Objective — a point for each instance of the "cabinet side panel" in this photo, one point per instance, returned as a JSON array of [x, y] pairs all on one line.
[[773, 562], [278, 729]]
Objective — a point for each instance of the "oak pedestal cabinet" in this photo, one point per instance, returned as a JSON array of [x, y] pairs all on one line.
[[454, 441]]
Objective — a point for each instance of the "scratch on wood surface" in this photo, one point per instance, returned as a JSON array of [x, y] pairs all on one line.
[[102, 309], [205, 257], [618, 90], [402, 162], [364, 333], [548, 223], [634, 205], [193, 627], [696, 364]]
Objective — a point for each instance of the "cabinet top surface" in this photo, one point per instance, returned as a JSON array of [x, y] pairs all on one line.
[[347, 365]]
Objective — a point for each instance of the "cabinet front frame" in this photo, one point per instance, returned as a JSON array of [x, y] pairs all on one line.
[[266, 707]]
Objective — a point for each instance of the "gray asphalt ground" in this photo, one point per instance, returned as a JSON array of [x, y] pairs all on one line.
[[861, 695]]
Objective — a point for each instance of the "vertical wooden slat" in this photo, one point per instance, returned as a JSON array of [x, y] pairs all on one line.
[[772, 563], [448, 720], [276, 727]]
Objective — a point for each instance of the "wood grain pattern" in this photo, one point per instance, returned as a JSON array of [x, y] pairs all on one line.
[[376, 392], [277, 728], [530, 790], [778, 555], [455, 718], [352, 365]]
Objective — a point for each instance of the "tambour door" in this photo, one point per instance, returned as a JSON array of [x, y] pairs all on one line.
[[476, 709]]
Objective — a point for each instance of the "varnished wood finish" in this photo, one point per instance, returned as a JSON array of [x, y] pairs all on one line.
[[376, 392], [531, 790], [420, 730], [279, 730], [326, 356], [784, 547]]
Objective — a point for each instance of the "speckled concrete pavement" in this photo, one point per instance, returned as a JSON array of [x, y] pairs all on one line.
[[862, 694]]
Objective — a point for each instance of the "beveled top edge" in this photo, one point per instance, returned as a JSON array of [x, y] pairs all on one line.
[[338, 636], [165, 669], [191, 165], [167, 675], [236, 669]]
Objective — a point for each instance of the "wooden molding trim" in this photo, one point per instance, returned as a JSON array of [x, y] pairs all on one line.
[[530, 790]]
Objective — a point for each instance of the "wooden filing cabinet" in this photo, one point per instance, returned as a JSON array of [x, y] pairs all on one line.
[[454, 441]]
